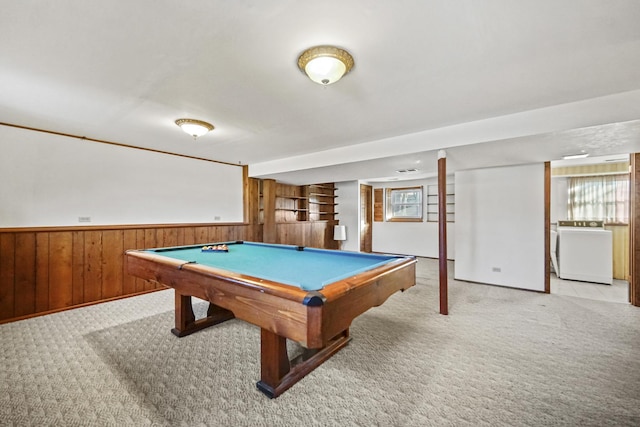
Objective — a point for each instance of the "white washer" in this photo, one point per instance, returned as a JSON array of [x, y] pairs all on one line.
[[585, 254]]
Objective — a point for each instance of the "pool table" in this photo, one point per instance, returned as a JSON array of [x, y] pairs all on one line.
[[307, 295]]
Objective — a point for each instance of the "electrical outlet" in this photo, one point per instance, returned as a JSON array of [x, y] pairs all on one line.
[[84, 219], [496, 269]]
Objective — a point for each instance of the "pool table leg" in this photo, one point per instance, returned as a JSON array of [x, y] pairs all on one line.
[[278, 374], [186, 322]]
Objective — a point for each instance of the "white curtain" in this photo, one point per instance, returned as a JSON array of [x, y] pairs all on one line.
[[604, 197]]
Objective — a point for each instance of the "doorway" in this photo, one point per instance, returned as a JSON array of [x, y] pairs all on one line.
[[366, 208], [563, 177]]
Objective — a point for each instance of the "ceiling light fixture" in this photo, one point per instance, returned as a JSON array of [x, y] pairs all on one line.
[[194, 127], [325, 64], [575, 156]]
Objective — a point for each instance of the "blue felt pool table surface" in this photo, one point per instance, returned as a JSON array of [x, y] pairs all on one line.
[[307, 268]]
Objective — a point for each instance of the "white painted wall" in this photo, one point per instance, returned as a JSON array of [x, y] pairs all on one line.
[[348, 209], [412, 238], [51, 180], [500, 225]]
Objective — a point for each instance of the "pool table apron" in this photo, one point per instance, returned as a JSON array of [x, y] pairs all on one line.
[[281, 311]]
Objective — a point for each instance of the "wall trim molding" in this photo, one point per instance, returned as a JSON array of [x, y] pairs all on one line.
[[118, 144], [115, 227]]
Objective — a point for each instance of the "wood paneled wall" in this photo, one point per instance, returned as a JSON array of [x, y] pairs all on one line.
[[620, 237], [48, 269], [593, 169], [44, 270], [315, 234]]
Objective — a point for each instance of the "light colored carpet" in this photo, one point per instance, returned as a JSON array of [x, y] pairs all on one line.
[[502, 357]]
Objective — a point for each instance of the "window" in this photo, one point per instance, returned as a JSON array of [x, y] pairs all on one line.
[[404, 204], [604, 198]]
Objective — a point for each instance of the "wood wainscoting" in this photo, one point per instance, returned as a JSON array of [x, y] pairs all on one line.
[[49, 269], [43, 270]]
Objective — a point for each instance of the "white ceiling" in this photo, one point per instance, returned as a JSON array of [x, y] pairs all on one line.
[[494, 82]]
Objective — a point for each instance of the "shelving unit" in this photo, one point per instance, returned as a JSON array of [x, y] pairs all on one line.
[[432, 203], [298, 205], [303, 215], [322, 204], [305, 203]]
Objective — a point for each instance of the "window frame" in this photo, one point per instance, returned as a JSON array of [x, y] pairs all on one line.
[[389, 211]]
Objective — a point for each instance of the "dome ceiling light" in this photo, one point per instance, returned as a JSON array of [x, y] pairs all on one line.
[[325, 64], [194, 127]]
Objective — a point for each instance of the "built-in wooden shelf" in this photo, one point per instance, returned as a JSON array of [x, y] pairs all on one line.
[[323, 186], [305, 203], [322, 195], [292, 197]]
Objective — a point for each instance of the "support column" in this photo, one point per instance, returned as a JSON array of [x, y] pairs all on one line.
[[442, 231], [547, 227], [634, 230]]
